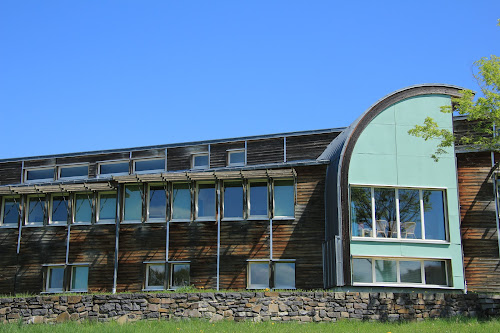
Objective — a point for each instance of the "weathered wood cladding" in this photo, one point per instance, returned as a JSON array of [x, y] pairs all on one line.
[[180, 158], [218, 153], [10, 172], [47, 162], [478, 227], [305, 147], [8, 260], [149, 153], [265, 151]]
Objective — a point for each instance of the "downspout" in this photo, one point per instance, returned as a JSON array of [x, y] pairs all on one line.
[[117, 236], [218, 234]]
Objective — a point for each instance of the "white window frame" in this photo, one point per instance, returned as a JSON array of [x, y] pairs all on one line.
[[99, 164], [171, 201], [98, 208], [51, 207], [148, 199], [92, 207], [171, 265], [149, 171], [141, 193], [235, 151], [71, 278], [398, 222], [285, 261], [146, 285], [47, 277], [249, 195], [59, 167], [193, 157], [224, 218], [423, 284], [284, 217], [2, 211], [41, 180], [27, 213], [249, 273], [205, 218]]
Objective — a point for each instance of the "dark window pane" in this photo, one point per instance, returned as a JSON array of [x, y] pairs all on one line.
[[40, 174], [181, 198], [121, 167], [385, 212], [259, 275], [180, 275], [410, 271], [78, 171], [35, 209], [56, 276], [157, 203], [150, 165], [258, 199], [362, 270], [434, 214], [156, 276], [10, 211], [79, 278], [409, 213], [200, 161], [284, 203], [361, 212], [233, 199], [385, 271], [236, 158], [107, 206], [83, 207], [435, 272], [284, 275], [133, 203], [59, 209]]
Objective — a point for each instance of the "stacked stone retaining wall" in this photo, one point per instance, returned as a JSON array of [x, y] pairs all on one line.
[[254, 306]]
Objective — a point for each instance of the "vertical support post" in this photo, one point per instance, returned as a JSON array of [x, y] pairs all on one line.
[[209, 155], [218, 234], [67, 243], [117, 236], [21, 220], [69, 220], [284, 149], [495, 195], [245, 152]]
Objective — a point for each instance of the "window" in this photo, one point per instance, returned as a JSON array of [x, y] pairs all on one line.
[[114, 168], [10, 211], [83, 207], [179, 275], [79, 278], [284, 198], [155, 276], [258, 202], [58, 209], [133, 203], [157, 203], [106, 211], [386, 271], [236, 157], [45, 174], [233, 200], [55, 279], [284, 275], [78, 171], [181, 201], [205, 204], [157, 164], [36, 210], [199, 161], [259, 274], [398, 213]]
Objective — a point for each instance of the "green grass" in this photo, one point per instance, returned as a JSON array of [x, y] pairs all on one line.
[[441, 326]]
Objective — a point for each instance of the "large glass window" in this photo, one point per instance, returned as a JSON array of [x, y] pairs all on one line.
[[258, 199], [421, 213], [40, 174], [79, 278], [233, 199], [284, 198], [258, 275], [79, 171], [385, 271], [181, 201], [284, 275], [149, 165], [206, 201], [362, 270], [155, 276], [180, 275], [10, 211], [55, 279], [133, 203], [82, 207], [106, 207], [157, 203], [58, 209], [36, 210], [113, 168], [435, 272]]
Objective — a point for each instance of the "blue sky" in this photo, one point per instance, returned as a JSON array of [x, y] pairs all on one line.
[[92, 75]]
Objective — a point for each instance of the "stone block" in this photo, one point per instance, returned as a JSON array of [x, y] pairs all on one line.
[[273, 308], [74, 299], [63, 317]]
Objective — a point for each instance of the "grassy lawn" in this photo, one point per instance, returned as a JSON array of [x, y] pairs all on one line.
[[442, 326]]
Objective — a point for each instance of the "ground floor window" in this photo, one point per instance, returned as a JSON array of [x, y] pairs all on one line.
[[156, 276], [79, 278], [61, 278], [55, 279], [275, 274]]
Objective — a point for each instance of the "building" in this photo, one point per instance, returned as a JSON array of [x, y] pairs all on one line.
[[359, 207]]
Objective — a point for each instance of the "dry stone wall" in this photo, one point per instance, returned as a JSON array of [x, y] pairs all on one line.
[[254, 306]]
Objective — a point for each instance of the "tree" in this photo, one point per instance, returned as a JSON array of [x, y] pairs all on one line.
[[482, 113]]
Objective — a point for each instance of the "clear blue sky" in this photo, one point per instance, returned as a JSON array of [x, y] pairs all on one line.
[[93, 75]]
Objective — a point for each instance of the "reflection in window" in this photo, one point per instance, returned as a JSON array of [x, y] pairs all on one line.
[[10, 211], [74, 171], [435, 272], [410, 271], [83, 208], [59, 209], [362, 270], [113, 168], [181, 201], [55, 278], [361, 211], [157, 210], [409, 213], [200, 161], [434, 214], [149, 165], [385, 212], [133, 203], [258, 275], [206, 201], [155, 278], [284, 200], [36, 209], [107, 207], [233, 199], [284, 275], [236, 157], [258, 199], [79, 278], [385, 271], [180, 275], [40, 174]]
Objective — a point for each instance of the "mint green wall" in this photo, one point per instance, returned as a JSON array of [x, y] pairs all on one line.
[[385, 154]]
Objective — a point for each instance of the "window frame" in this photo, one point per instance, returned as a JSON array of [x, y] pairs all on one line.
[[171, 202], [44, 209], [193, 157], [168, 278], [41, 180], [272, 273], [236, 151], [171, 274], [148, 201], [399, 238], [149, 171], [51, 208], [146, 284], [93, 206], [249, 196], [48, 274], [61, 166], [73, 266], [102, 175], [223, 199], [98, 208], [2, 211], [205, 218], [124, 201], [284, 217]]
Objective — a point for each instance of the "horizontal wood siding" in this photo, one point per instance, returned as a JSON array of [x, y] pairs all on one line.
[[40, 163], [265, 151], [10, 173], [196, 242], [8, 260], [138, 243], [478, 227], [180, 158], [149, 153], [218, 153], [95, 245], [307, 147]]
